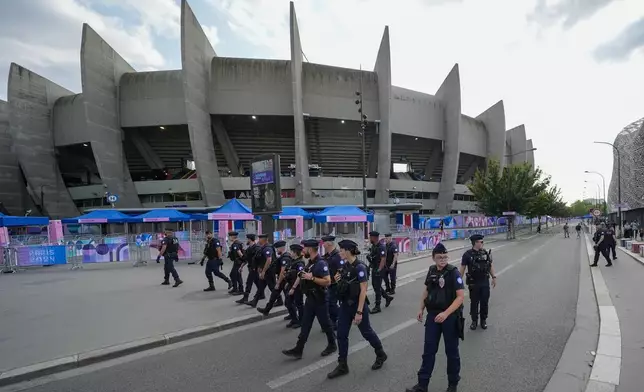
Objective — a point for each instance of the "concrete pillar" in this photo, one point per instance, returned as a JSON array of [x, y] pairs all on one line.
[[196, 61], [101, 71], [31, 100], [149, 155], [232, 160], [372, 166], [450, 96], [12, 188], [494, 121], [529, 154], [517, 140], [469, 172], [302, 179], [383, 70]]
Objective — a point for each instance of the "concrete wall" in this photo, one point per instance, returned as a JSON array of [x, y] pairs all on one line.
[[330, 92], [383, 70], [250, 86], [494, 121], [529, 154], [152, 99], [12, 188], [416, 114], [31, 101], [70, 122], [101, 70], [517, 140], [450, 94], [302, 181], [196, 60], [473, 137]]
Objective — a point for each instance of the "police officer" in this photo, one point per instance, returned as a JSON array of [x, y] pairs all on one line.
[[212, 252], [392, 265], [378, 262], [352, 292], [265, 269], [611, 238], [479, 266], [443, 299], [602, 246], [170, 253], [236, 255], [250, 259], [333, 259], [294, 297], [314, 280], [283, 260]]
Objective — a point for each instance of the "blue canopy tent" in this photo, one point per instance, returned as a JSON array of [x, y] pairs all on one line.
[[288, 212], [342, 214], [235, 212], [22, 221], [291, 214], [99, 216], [163, 215]]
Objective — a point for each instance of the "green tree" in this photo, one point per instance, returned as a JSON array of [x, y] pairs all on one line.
[[580, 208], [548, 203], [513, 188]]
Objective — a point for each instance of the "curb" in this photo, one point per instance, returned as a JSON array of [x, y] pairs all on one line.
[[573, 372], [606, 368], [631, 254], [87, 358]]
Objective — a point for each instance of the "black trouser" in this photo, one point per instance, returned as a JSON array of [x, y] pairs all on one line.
[[251, 279], [390, 277], [295, 304], [213, 267], [275, 295], [612, 248], [376, 283], [268, 281], [168, 266], [236, 276], [604, 251], [479, 298]]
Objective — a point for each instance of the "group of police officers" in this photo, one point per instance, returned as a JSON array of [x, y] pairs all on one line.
[[333, 288]]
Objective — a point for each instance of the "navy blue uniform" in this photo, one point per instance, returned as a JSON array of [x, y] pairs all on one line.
[[478, 268], [377, 252], [316, 304], [170, 255], [390, 273], [251, 256], [214, 263], [604, 247], [265, 259], [335, 263], [441, 288], [294, 303], [235, 273]]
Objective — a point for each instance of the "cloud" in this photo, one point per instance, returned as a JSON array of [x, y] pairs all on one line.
[[212, 34], [570, 11], [626, 43], [163, 17]]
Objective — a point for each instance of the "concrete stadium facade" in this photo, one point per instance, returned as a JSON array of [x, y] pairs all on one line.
[[630, 144], [185, 137]]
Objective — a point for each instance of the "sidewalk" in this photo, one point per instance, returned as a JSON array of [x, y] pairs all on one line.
[[624, 283], [49, 314]]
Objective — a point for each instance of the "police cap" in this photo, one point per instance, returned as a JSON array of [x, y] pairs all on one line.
[[233, 234], [296, 247], [279, 244], [439, 249], [264, 236], [374, 234], [312, 243], [347, 245], [388, 235], [476, 237], [251, 237], [328, 238]]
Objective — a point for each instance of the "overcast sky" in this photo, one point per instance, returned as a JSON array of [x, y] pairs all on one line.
[[572, 71]]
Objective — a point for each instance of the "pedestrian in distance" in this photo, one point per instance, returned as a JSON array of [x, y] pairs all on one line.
[[443, 298], [212, 252], [170, 253], [352, 280]]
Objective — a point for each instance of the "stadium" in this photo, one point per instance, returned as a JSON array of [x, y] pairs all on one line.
[[185, 138]]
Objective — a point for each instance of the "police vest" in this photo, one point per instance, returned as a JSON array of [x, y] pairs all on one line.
[[261, 257], [172, 244], [349, 286], [309, 287], [211, 248], [479, 269], [296, 266], [232, 254], [391, 247], [441, 290], [374, 256], [250, 256]]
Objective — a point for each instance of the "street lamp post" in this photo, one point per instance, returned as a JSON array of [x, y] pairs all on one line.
[[604, 187], [619, 186], [363, 129], [511, 230]]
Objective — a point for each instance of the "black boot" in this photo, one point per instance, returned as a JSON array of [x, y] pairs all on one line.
[[416, 388], [165, 283], [230, 286], [243, 299], [177, 283], [339, 370], [483, 323], [288, 317], [265, 310], [474, 325], [330, 349], [376, 309], [452, 388], [252, 303], [211, 287], [388, 301], [381, 357], [295, 352]]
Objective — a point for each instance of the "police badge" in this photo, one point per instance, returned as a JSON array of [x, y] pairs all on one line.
[[441, 282]]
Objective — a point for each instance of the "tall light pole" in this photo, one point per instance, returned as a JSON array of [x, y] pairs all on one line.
[[596, 194], [363, 129], [511, 235], [619, 185], [603, 185]]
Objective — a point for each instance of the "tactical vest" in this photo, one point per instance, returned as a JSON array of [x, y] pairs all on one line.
[[390, 253], [210, 250], [309, 287], [348, 286], [440, 298], [479, 269], [172, 245], [293, 269], [232, 254], [374, 256], [250, 255]]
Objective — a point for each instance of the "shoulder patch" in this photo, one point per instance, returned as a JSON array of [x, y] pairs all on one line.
[[459, 280], [300, 268], [361, 274], [326, 268]]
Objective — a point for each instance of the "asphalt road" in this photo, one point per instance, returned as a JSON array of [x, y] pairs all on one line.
[[532, 313]]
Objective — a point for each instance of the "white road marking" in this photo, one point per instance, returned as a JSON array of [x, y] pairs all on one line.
[[411, 277]]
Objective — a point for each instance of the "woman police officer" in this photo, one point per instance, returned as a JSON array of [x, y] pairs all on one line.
[[352, 293]]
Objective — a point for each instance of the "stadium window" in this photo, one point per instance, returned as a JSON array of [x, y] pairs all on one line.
[[401, 168], [190, 165]]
